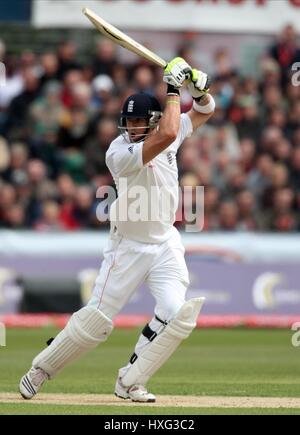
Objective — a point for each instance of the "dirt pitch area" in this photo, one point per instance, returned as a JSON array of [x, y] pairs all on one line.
[[162, 401]]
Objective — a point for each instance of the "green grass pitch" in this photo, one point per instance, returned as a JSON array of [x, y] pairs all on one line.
[[258, 363]]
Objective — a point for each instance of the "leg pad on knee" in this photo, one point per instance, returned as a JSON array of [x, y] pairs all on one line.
[[158, 351], [84, 331]]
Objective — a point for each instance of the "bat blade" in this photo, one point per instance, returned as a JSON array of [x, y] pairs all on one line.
[[122, 39]]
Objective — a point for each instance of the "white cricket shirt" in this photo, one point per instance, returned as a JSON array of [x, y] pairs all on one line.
[[148, 194]]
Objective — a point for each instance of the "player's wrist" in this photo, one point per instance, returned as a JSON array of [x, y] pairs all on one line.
[[202, 99], [172, 91], [206, 106]]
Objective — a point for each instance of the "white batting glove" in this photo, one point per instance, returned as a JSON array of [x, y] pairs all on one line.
[[199, 84], [177, 72]]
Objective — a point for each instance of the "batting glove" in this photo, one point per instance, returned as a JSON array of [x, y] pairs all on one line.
[[177, 72], [199, 84]]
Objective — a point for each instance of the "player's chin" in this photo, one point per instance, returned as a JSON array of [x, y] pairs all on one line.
[[135, 137]]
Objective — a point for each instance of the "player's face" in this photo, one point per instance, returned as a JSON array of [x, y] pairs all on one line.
[[136, 128]]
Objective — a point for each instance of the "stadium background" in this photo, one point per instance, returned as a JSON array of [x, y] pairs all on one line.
[[58, 111]]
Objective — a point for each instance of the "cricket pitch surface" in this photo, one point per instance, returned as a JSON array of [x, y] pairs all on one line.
[[162, 401]]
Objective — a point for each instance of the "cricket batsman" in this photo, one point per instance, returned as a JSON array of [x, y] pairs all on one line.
[[147, 250]]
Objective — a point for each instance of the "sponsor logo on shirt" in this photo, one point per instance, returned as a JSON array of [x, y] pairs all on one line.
[[130, 149]]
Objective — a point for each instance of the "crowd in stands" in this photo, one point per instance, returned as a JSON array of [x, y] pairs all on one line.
[[58, 117]]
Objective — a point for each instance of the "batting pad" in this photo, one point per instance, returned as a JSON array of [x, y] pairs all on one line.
[[84, 331], [159, 350]]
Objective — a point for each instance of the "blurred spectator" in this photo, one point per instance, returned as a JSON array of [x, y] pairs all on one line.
[[143, 79], [4, 156], [83, 212], [286, 50], [17, 171], [227, 141], [37, 176], [189, 157], [46, 114], [294, 116], [228, 216], [50, 218], [272, 99], [106, 57], [112, 108], [2, 50], [296, 138], [248, 220], [67, 52], [259, 178], [279, 180], [236, 181], [14, 217], [37, 172], [295, 169], [271, 72], [49, 68], [248, 153], [224, 78], [67, 194], [120, 78], [187, 52], [270, 138], [278, 118], [249, 126], [211, 201], [76, 124], [95, 150], [73, 163], [16, 127], [8, 196], [28, 60], [292, 92], [282, 151], [282, 217], [103, 89], [70, 80], [223, 65]]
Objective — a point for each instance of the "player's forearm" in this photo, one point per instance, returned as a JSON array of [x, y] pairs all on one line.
[[170, 122], [205, 105], [205, 100], [167, 132], [202, 110], [175, 75]]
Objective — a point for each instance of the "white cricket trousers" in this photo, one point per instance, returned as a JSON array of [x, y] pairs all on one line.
[[127, 264]]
